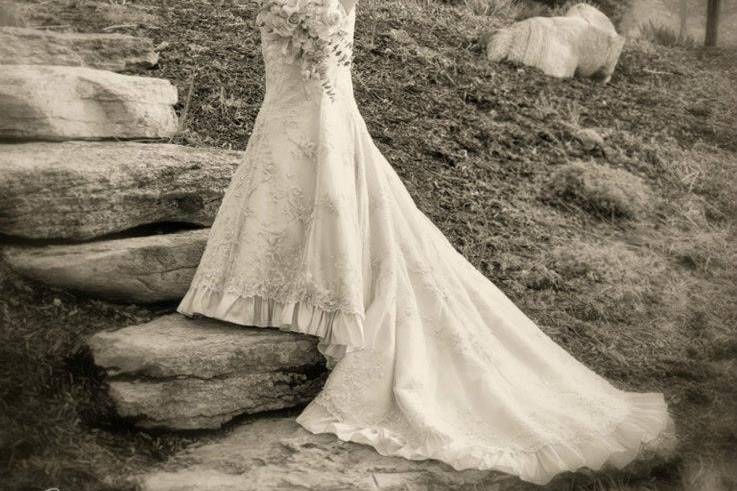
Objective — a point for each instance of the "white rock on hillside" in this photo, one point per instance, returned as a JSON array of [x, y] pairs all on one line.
[[64, 103], [146, 269], [583, 42], [79, 191], [116, 52], [276, 454], [182, 373]]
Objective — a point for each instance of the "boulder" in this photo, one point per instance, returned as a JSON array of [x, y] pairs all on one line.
[[79, 191], [40, 102], [276, 453], [192, 373], [115, 52], [146, 269], [593, 16], [583, 42]]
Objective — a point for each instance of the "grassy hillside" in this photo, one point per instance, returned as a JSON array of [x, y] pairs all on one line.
[[658, 14], [623, 253]]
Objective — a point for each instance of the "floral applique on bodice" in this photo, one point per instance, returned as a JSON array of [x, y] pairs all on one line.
[[283, 78]]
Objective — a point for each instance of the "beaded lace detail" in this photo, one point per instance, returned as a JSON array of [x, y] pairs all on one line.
[[317, 234]]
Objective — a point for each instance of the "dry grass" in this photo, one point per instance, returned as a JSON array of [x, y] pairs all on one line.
[[707, 253], [665, 36], [601, 190], [524, 9], [11, 15], [660, 21], [611, 274], [124, 14], [494, 8], [648, 302], [55, 430]]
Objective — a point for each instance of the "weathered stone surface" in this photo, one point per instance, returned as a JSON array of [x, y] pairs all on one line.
[[115, 52], [79, 190], [194, 404], [276, 453], [146, 269], [182, 373], [64, 103], [178, 346], [583, 42]]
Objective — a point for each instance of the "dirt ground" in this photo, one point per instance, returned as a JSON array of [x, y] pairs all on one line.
[[491, 154]]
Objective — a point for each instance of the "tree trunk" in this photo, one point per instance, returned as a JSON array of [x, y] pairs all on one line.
[[712, 22]]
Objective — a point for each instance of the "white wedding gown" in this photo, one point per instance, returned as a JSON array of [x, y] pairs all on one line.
[[317, 234]]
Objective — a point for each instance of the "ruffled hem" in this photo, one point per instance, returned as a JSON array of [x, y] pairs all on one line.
[[339, 332], [647, 427]]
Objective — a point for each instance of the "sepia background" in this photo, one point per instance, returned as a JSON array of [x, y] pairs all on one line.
[[606, 212]]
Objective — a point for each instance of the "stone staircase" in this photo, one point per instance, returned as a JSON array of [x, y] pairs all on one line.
[[72, 187], [179, 373]]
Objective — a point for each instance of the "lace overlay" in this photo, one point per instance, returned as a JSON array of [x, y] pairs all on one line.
[[317, 234]]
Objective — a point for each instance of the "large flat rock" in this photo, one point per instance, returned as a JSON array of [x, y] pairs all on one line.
[[182, 373], [146, 269], [178, 346], [79, 191], [39, 102], [194, 404], [115, 52], [277, 454]]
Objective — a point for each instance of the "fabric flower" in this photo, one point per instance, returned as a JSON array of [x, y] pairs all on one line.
[[310, 30]]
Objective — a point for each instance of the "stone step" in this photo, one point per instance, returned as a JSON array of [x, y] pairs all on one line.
[[148, 269], [276, 453], [43, 102], [79, 191], [182, 373], [115, 52]]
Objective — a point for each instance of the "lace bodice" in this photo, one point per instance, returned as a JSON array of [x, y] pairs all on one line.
[[269, 237], [284, 81]]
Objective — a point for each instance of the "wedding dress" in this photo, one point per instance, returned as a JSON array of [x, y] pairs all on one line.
[[317, 234]]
